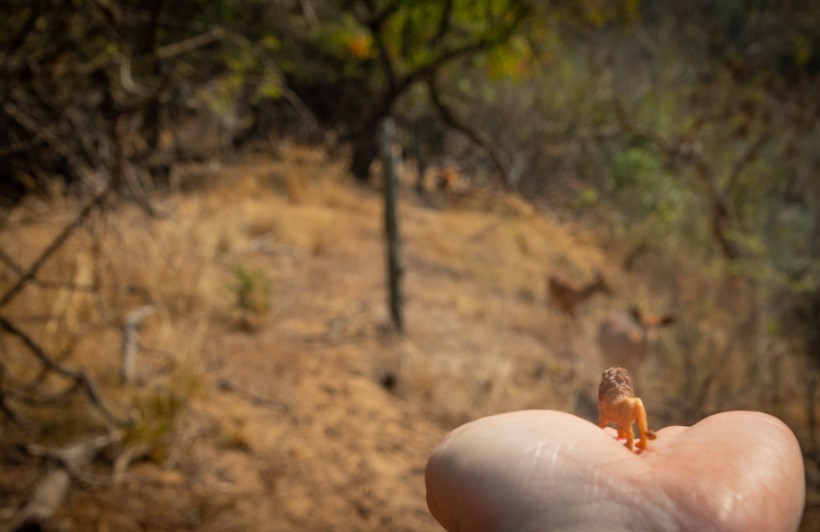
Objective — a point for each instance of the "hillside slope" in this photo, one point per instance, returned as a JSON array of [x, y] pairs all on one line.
[[288, 404]]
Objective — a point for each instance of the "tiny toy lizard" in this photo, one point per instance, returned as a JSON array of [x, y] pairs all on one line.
[[617, 404]]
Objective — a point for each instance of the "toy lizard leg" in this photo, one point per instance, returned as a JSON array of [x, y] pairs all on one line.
[[630, 437], [640, 417]]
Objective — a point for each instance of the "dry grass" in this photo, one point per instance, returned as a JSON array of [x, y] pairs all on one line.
[[287, 410]]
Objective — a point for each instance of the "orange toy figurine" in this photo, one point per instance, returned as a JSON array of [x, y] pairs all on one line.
[[617, 404]]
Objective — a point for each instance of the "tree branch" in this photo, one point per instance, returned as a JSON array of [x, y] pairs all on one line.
[[721, 217], [54, 246], [375, 25], [79, 376], [477, 137], [444, 22], [747, 157], [130, 342], [191, 44], [52, 489]]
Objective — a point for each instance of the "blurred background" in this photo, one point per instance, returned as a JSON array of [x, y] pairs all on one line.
[[194, 321]]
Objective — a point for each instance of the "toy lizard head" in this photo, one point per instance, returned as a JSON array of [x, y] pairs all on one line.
[[615, 383]]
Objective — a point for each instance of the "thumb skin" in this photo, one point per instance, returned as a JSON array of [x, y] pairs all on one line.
[[547, 470]]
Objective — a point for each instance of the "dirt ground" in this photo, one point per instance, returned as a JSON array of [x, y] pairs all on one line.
[[307, 412]]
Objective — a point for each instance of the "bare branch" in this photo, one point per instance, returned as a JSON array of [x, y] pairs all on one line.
[[11, 263], [67, 285], [44, 502], [36, 130], [444, 22], [747, 157], [76, 454], [12, 415], [80, 376], [181, 47], [130, 341], [52, 489], [241, 391], [55, 398], [25, 30], [375, 24], [54, 246], [477, 137], [309, 13]]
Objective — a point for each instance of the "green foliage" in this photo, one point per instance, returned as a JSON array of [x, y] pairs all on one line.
[[157, 411], [514, 60], [156, 417], [246, 71], [253, 290], [641, 181], [587, 197], [342, 49], [634, 166], [791, 247], [384, 48]]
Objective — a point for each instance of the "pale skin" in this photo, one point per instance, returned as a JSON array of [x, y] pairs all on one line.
[[547, 470]]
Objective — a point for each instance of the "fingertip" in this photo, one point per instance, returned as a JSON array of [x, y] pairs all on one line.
[[762, 456], [435, 509], [436, 478]]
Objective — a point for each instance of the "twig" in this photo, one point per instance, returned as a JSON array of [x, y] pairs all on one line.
[[77, 454], [309, 13], [125, 458], [45, 400], [188, 45], [44, 502], [476, 137], [130, 341], [50, 137], [228, 386], [747, 157], [25, 29], [11, 263], [13, 416], [65, 285], [54, 246], [53, 487], [80, 376]]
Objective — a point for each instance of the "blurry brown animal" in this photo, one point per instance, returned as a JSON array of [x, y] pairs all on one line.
[[448, 179], [623, 338], [566, 296]]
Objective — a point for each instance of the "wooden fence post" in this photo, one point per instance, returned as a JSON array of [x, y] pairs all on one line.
[[387, 133]]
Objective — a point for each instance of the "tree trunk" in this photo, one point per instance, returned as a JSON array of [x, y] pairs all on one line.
[[365, 143], [365, 151]]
